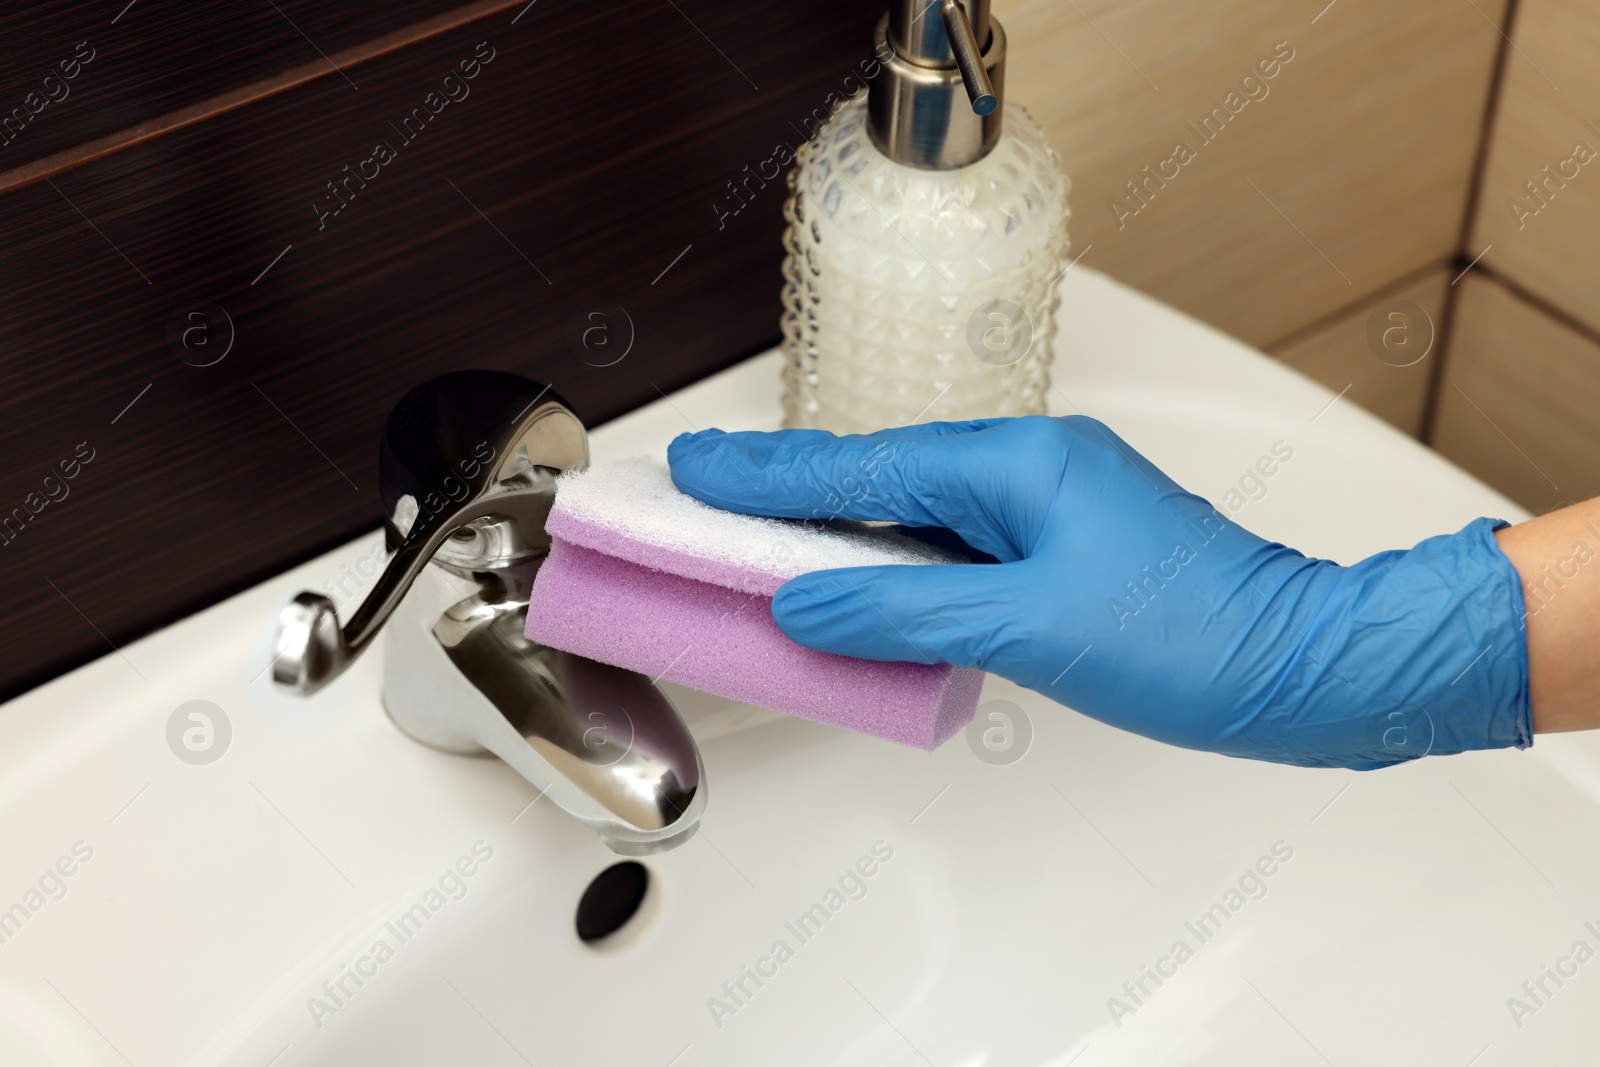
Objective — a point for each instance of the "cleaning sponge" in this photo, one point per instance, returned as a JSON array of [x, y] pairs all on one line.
[[645, 577]]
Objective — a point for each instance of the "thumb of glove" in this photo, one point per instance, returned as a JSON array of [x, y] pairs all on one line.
[[965, 614]]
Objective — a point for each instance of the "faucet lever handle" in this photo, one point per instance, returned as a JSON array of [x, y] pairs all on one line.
[[440, 488], [312, 649]]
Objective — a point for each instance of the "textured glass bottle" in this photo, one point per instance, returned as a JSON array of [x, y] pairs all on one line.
[[903, 284]]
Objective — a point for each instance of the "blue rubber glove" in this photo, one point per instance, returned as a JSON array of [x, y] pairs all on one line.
[[1121, 595]]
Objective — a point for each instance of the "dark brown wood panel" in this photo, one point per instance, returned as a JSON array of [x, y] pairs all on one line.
[[112, 65], [592, 171]]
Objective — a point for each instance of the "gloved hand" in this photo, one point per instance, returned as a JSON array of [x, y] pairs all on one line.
[[1121, 595]]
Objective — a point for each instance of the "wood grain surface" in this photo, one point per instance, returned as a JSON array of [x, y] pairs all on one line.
[[586, 163], [131, 63]]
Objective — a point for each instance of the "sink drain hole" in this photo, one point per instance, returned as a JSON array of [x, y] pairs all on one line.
[[611, 900]]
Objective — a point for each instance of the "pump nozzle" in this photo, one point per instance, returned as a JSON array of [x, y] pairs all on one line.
[[936, 104], [969, 57]]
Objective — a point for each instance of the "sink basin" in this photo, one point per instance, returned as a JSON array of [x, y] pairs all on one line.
[[202, 870]]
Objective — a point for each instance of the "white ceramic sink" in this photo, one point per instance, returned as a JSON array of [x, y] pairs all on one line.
[[1404, 906]]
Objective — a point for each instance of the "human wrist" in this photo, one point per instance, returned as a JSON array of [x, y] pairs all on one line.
[[1420, 652], [1561, 605]]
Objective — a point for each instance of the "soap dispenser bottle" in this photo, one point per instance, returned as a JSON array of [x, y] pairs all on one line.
[[926, 232]]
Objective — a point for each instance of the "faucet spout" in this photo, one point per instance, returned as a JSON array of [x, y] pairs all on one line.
[[467, 475], [603, 743]]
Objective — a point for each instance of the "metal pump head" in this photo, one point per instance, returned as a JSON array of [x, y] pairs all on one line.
[[936, 104]]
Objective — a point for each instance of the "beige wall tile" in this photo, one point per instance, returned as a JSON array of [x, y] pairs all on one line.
[[1337, 353], [1551, 243], [1364, 142], [1520, 406]]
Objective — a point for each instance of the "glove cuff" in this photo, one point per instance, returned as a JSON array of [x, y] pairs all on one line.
[[1429, 647]]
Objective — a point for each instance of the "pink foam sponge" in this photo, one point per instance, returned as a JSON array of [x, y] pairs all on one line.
[[642, 576]]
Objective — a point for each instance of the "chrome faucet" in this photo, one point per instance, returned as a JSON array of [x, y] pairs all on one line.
[[467, 471]]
